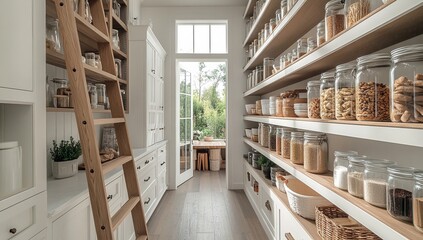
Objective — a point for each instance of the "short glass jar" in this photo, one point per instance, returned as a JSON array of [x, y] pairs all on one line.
[[418, 201], [334, 18], [313, 99], [327, 95], [315, 152], [406, 84], [311, 44], [265, 135], [399, 193], [288, 59], [101, 93], [279, 141], [301, 47], [90, 59], [98, 62], [356, 10], [284, 8], [297, 148], [355, 176], [321, 33], [286, 143], [272, 138], [345, 91], [267, 67], [272, 26], [115, 38], [375, 181], [371, 87], [278, 16], [294, 55], [340, 169]]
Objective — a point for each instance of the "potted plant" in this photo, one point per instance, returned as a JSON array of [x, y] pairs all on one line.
[[65, 158], [266, 164]]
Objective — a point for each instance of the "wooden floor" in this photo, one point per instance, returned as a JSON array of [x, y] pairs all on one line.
[[203, 208]]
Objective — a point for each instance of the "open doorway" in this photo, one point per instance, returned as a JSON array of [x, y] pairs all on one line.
[[202, 117]]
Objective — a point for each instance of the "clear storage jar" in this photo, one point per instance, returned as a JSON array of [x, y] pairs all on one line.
[[321, 33], [286, 143], [345, 91], [294, 55], [255, 46], [313, 99], [98, 62], [278, 16], [272, 138], [262, 37], [116, 8], [291, 4], [399, 202], [93, 96], [101, 93], [418, 201], [327, 95], [340, 169], [311, 44], [260, 125], [90, 59], [334, 18], [259, 74], [267, 67], [375, 181], [279, 107], [264, 135], [371, 87], [406, 84], [272, 26], [301, 47], [267, 31], [52, 35], [356, 10], [115, 38], [284, 8], [279, 141], [297, 148], [355, 176], [315, 152]]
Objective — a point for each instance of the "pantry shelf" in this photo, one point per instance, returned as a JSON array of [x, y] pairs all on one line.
[[89, 30], [118, 23], [119, 54], [52, 109], [267, 12], [308, 225], [391, 24], [249, 9], [376, 219], [291, 28], [400, 133]]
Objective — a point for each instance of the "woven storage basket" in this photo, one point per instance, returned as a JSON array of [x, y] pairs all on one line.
[[332, 223]]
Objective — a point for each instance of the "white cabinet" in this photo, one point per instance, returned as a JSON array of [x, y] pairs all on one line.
[[146, 117]]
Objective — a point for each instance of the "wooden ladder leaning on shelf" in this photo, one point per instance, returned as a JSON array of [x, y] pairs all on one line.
[[105, 224]]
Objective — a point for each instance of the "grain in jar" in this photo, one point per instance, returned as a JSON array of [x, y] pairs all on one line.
[[334, 18], [375, 181], [279, 141], [418, 201], [313, 99], [297, 148], [356, 10], [345, 91], [327, 95], [272, 138], [315, 152], [264, 135], [355, 176], [286, 143], [399, 201], [321, 33]]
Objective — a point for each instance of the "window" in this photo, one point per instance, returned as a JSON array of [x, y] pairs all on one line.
[[202, 38]]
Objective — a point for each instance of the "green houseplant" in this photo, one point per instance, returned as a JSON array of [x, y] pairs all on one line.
[[65, 158], [266, 164]]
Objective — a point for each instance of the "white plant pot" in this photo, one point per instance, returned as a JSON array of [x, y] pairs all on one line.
[[65, 169]]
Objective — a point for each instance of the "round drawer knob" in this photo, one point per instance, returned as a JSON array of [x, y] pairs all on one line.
[[13, 230]]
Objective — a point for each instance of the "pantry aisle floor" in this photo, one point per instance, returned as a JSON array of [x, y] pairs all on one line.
[[203, 208]]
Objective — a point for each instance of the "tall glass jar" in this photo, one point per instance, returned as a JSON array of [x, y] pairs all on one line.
[[406, 83], [418, 201], [345, 91], [267, 67], [272, 25], [313, 99], [52, 35], [267, 31], [98, 62], [259, 74], [327, 95], [284, 8], [356, 10], [334, 18], [399, 194], [355, 176], [262, 37], [279, 141], [93, 96], [255, 46], [278, 17], [321, 33], [279, 107], [264, 135], [375, 181], [311, 44], [301, 47], [101, 94], [340, 169], [297, 148], [286, 143], [371, 87], [272, 138], [294, 55], [290, 4], [115, 38], [315, 152], [260, 125]]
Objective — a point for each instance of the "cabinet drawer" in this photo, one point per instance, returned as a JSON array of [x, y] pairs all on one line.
[[25, 219], [268, 209], [148, 199], [289, 226], [114, 191], [148, 160], [161, 153], [161, 183], [147, 177]]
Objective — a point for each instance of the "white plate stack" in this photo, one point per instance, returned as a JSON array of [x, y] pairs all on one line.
[[300, 109]]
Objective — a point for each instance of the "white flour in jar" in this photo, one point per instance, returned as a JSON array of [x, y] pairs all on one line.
[[340, 180]]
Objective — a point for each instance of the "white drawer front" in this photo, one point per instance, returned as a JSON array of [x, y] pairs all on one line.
[[114, 191], [161, 183], [268, 208], [147, 177], [148, 199], [148, 160], [161, 153], [288, 226], [25, 219]]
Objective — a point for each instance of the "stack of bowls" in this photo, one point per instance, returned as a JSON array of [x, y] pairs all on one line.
[[272, 106], [300, 109], [265, 107], [249, 108]]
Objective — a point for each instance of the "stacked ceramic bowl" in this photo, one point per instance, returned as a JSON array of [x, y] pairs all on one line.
[[248, 132], [272, 106], [249, 108], [265, 107], [300, 109]]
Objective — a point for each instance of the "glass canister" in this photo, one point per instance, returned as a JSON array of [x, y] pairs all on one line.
[[259, 132], [345, 91], [371, 87], [399, 193], [315, 152], [311, 44], [87, 14], [267, 67], [279, 141], [272, 106], [406, 83], [60, 86], [290, 4], [313, 99], [90, 58], [284, 8], [272, 25], [334, 18], [321, 33], [255, 46], [101, 94], [358, 9], [286, 143], [118, 67], [301, 47], [272, 138], [116, 8], [294, 55], [259, 74], [418, 201], [327, 95], [52, 35], [93, 95], [279, 107], [267, 32], [288, 59], [297, 148], [115, 38], [375, 181], [98, 62], [264, 135], [355, 176], [278, 16], [340, 169]]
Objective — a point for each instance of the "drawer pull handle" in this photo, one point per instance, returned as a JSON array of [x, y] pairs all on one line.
[[288, 236], [148, 201], [162, 150], [146, 162], [110, 197], [153, 71], [139, 167], [267, 204], [148, 179], [13, 230], [161, 164]]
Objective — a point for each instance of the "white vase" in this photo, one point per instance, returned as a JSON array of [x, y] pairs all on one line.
[[65, 169]]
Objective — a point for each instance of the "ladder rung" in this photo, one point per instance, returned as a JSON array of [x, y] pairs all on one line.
[[104, 121], [124, 211], [143, 237], [112, 164]]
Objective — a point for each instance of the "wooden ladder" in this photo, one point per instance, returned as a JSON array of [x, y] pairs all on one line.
[[72, 26]]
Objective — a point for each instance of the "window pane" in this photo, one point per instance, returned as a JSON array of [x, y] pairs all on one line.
[[185, 38], [201, 39], [218, 39]]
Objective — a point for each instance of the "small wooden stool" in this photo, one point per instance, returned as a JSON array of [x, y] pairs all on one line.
[[203, 161]]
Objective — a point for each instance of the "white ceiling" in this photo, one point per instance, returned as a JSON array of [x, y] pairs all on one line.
[[192, 3]]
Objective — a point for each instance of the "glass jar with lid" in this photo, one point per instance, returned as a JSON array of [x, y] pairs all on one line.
[[264, 135], [321, 33], [259, 40], [279, 107], [115, 38], [297, 148], [90, 59], [93, 95], [311, 44], [290, 4], [301, 47], [272, 25], [355, 176], [294, 55], [327, 95], [267, 31], [260, 125], [259, 74], [418, 201], [98, 62], [286, 143], [101, 94], [118, 67], [52, 35], [315, 152], [334, 18], [399, 201], [278, 17], [279, 141], [262, 37], [288, 59], [272, 138], [60, 86], [345, 91], [284, 8], [375, 181], [340, 169], [255, 47], [358, 9], [87, 13], [267, 67], [116, 8], [371, 87], [406, 84], [313, 99]]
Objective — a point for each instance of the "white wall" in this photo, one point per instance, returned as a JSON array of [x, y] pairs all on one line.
[[163, 20]]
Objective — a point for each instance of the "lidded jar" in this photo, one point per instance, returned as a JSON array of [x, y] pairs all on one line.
[[406, 84], [311, 44], [315, 152], [267, 67], [321, 33], [327, 95], [278, 17], [301, 47], [279, 107], [101, 93], [53, 36], [267, 31], [345, 91], [399, 193], [284, 8], [334, 18], [264, 135], [313, 99], [371, 87], [418, 201], [358, 9], [340, 169], [272, 25], [375, 181], [279, 141], [115, 38], [297, 148], [355, 176], [93, 95], [260, 125], [272, 138], [259, 74], [286, 142]]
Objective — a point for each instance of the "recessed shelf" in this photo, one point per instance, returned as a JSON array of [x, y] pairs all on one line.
[[391, 24], [249, 9], [376, 219]]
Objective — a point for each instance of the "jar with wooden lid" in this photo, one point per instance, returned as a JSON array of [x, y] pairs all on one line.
[[313, 99], [297, 148], [286, 142], [327, 95], [334, 18], [340, 169], [375, 181], [371, 87], [315, 152], [272, 138], [321, 33], [406, 84], [264, 135], [355, 176], [399, 199], [345, 91], [279, 141], [418, 201]]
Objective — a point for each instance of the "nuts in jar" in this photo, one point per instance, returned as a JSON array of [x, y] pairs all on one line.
[[345, 91], [327, 96]]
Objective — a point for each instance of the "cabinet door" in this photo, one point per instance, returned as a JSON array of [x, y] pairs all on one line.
[[151, 92], [158, 65], [159, 94], [150, 59], [152, 125]]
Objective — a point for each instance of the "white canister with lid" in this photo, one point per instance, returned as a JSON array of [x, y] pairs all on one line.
[[10, 168]]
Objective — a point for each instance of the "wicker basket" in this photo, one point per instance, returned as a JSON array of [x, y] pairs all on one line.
[[333, 223]]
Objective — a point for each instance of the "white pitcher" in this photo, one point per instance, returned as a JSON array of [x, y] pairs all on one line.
[[10, 168]]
